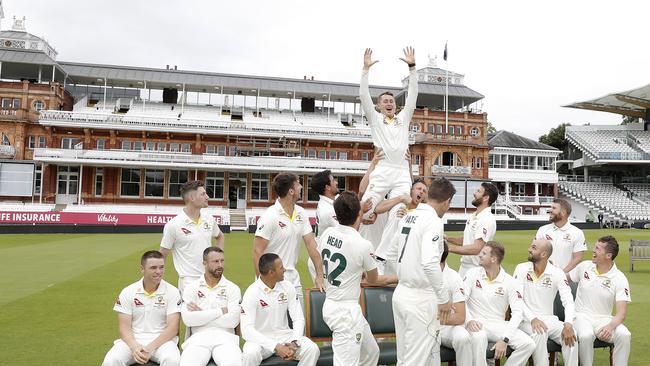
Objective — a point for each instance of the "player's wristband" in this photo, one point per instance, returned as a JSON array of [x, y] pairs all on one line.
[[411, 65]]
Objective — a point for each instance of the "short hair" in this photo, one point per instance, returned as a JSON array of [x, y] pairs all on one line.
[[266, 262], [445, 252], [418, 180], [347, 207], [190, 186], [548, 246], [441, 190], [611, 245], [491, 191], [564, 204], [497, 250], [320, 180], [385, 93], [150, 254], [209, 250], [283, 182]]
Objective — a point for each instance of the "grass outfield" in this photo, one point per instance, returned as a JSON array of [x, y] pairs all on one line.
[[57, 291]]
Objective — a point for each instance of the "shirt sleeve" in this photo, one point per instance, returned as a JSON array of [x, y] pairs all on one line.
[[576, 273], [265, 226], [196, 318], [566, 296], [468, 285], [306, 225], [174, 300], [216, 231], [516, 301], [295, 311], [169, 236], [366, 100], [248, 316], [231, 318], [368, 262], [457, 289], [623, 290], [411, 98], [430, 260], [520, 278], [579, 244], [539, 235], [486, 229], [123, 304]]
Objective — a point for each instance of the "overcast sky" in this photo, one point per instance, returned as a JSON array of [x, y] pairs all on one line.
[[527, 58]]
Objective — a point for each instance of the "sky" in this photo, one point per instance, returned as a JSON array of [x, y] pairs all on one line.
[[527, 57]]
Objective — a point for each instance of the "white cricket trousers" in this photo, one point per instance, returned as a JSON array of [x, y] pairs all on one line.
[[120, 354], [587, 325], [493, 331], [458, 338], [307, 354], [417, 328], [387, 178], [221, 346], [554, 333], [352, 339]]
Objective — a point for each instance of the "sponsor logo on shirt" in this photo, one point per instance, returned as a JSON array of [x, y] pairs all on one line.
[[607, 283], [566, 282], [179, 302], [282, 225], [298, 218], [529, 278], [186, 231], [222, 293], [518, 295], [242, 311], [462, 291], [358, 337], [484, 231], [548, 237], [499, 291], [627, 292], [547, 282], [263, 304], [586, 275], [117, 300], [160, 301], [478, 284], [137, 302], [567, 237], [200, 294], [282, 298], [435, 238]]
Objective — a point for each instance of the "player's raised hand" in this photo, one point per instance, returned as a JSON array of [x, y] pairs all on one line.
[[409, 56], [367, 59]]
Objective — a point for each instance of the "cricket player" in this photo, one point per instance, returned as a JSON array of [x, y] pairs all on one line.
[[282, 227], [386, 252], [148, 315], [490, 290], [568, 241], [211, 310], [189, 233], [264, 322], [453, 333], [327, 188], [601, 287], [390, 132], [479, 229], [421, 302], [541, 281], [346, 257]]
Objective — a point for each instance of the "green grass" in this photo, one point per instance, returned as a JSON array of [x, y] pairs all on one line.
[[57, 291]]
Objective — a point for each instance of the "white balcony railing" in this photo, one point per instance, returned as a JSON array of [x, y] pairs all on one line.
[[444, 169], [7, 151], [189, 161]]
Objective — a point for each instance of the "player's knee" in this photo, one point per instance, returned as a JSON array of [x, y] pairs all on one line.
[[461, 339], [623, 335], [171, 359], [586, 337], [310, 348], [528, 344], [111, 360], [234, 361], [539, 337]]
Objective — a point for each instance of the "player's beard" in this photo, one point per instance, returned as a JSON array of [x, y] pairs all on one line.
[[217, 273], [553, 218], [531, 258], [477, 201]]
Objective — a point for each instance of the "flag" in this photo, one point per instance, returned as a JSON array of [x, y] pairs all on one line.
[[444, 55]]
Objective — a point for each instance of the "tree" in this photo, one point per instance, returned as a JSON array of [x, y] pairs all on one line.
[[555, 137], [627, 120], [491, 128]]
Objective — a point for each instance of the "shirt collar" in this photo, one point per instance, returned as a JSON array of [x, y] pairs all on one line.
[[187, 220], [281, 210], [327, 199], [482, 213], [222, 282], [346, 229], [566, 226], [500, 277], [159, 291], [265, 289], [425, 207], [608, 274]]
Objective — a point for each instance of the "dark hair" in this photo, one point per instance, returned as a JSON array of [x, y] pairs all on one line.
[[441, 190], [385, 93], [418, 180], [491, 191], [320, 180], [445, 253], [209, 250], [347, 208], [283, 182], [190, 187], [150, 254], [266, 262], [498, 250], [564, 204], [611, 245]]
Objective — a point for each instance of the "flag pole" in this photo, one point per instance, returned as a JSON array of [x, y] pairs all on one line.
[[446, 91]]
